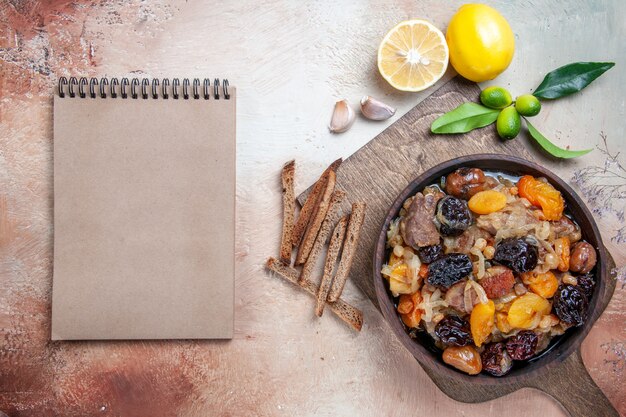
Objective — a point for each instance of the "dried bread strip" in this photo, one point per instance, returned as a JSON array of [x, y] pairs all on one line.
[[311, 202], [351, 315], [289, 210], [349, 247], [322, 236], [316, 221], [336, 241]]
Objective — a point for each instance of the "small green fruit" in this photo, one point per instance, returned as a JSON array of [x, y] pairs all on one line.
[[495, 97], [527, 105], [508, 123]]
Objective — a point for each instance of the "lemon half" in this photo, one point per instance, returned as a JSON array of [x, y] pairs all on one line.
[[413, 55]]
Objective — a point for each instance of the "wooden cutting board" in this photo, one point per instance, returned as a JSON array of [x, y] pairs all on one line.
[[381, 169]]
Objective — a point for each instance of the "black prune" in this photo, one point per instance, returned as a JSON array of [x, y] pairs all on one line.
[[517, 254], [496, 360], [571, 305], [523, 345], [454, 331], [428, 254], [449, 269], [453, 216], [586, 283]]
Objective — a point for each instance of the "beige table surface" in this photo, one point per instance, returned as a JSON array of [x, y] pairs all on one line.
[[290, 61]]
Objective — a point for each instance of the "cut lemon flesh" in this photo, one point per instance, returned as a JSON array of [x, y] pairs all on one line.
[[413, 55]]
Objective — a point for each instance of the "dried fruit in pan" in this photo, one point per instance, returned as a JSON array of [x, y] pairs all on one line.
[[543, 284], [502, 322], [562, 250], [523, 345], [582, 258], [454, 330], [517, 254], [482, 321], [496, 360], [488, 201], [466, 182], [542, 194], [586, 283], [464, 359], [526, 311], [571, 305], [449, 269], [429, 254], [453, 216], [413, 314]]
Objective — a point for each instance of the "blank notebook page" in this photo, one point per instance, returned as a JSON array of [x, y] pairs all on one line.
[[144, 218]]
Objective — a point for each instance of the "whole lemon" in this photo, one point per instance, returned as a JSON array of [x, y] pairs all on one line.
[[480, 41]]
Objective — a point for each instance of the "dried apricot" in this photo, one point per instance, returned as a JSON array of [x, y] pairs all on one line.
[[414, 316], [502, 322], [562, 249], [526, 311], [464, 358], [405, 304], [400, 271], [542, 194], [482, 321], [544, 284], [486, 202]]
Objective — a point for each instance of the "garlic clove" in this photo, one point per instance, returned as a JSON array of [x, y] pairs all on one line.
[[375, 109], [343, 117]]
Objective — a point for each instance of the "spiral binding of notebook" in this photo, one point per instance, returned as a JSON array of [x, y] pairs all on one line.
[[144, 89]]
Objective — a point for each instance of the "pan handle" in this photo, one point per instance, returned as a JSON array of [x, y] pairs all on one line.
[[570, 383], [572, 386]]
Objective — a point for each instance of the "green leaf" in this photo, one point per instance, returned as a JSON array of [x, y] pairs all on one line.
[[466, 117], [570, 78], [550, 147]]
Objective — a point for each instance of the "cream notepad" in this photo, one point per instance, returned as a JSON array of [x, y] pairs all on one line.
[[144, 210]]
